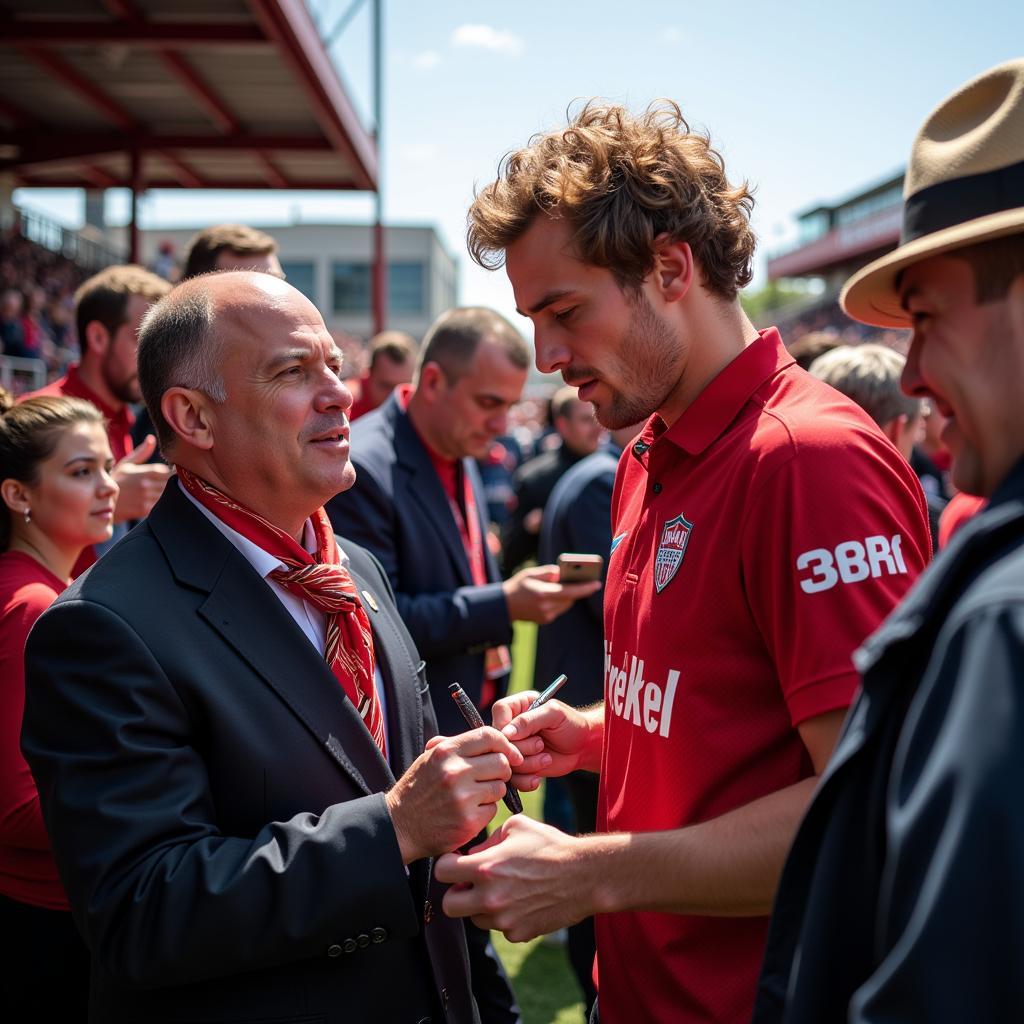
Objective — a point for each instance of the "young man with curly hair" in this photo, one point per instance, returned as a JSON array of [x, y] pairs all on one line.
[[762, 527]]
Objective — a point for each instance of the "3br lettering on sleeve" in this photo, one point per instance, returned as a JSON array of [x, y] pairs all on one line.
[[850, 562]]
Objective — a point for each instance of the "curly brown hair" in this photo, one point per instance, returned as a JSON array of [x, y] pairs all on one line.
[[621, 181]]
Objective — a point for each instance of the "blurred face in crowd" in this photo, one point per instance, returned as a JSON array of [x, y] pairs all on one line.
[[10, 304], [386, 375], [579, 428], [72, 499], [280, 439], [967, 358], [468, 412], [120, 366], [610, 343], [258, 262]]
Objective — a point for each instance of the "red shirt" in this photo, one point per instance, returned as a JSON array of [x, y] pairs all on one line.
[[757, 542], [960, 509], [27, 871], [119, 421], [119, 432]]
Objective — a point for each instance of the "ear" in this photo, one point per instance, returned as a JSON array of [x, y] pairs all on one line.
[[674, 271], [188, 414], [97, 338], [432, 383], [15, 496]]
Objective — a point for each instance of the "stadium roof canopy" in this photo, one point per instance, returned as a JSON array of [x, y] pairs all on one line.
[[140, 94]]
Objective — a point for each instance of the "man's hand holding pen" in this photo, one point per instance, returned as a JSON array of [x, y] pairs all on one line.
[[528, 878], [450, 792], [554, 739]]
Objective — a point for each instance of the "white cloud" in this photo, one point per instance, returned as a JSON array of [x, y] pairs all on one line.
[[487, 38], [426, 61]]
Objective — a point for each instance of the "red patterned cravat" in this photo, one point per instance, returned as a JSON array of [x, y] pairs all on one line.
[[322, 581]]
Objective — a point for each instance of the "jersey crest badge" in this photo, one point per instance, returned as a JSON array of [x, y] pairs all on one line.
[[675, 535]]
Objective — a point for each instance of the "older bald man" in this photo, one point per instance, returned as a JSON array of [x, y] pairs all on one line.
[[232, 743]]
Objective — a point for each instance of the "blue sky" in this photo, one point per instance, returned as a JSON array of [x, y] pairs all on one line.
[[807, 100]]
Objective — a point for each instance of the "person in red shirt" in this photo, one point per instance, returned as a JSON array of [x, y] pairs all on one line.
[[58, 497], [109, 308], [962, 508], [762, 527], [392, 362]]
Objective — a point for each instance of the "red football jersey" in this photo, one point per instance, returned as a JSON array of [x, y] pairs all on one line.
[[757, 542]]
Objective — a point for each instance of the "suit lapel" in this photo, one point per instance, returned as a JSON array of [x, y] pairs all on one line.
[[420, 486], [243, 611], [404, 705]]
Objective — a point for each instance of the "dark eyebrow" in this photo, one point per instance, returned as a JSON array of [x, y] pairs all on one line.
[[80, 458], [546, 301]]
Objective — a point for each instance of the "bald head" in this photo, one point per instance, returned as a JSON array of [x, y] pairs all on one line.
[[187, 337]]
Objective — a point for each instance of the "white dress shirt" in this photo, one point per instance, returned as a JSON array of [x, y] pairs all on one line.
[[308, 618]]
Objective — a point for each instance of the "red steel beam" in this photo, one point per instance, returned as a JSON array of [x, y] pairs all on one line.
[[98, 177], [272, 172], [200, 90], [288, 23], [186, 176], [75, 80], [147, 35], [71, 180], [37, 146]]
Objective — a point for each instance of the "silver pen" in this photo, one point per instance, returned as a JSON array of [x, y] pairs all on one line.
[[549, 692]]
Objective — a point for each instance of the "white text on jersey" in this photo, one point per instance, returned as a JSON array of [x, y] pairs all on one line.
[[635, 699], [851, 562]]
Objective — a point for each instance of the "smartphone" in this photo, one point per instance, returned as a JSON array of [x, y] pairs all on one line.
[[573, 568]]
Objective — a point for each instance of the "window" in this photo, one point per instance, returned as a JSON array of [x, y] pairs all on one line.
[[405, 287], [301, 274], [350, 287]]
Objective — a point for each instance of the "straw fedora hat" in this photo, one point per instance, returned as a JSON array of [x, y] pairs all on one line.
[[964, 184]]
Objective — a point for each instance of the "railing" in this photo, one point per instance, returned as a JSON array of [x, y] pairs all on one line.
[[89, 253], [18, 375]]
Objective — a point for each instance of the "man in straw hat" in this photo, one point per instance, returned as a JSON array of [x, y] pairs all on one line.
[[901, 898]]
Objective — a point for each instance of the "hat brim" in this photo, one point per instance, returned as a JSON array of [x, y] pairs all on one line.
[[870, 296]]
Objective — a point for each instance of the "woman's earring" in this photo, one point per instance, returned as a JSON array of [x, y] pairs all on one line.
[[28, 515]]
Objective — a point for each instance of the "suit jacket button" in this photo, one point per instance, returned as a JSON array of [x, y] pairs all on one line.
[[378, 935], [350, 946], [333, 950], [444, 997], [363, 940]]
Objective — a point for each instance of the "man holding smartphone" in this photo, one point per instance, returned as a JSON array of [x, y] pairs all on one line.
[[762, 526]]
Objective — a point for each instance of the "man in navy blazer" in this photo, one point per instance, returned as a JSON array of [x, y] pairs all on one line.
[[234, 843], [418, 505]]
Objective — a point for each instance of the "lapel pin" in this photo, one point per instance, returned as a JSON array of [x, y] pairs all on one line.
[[368, 597]]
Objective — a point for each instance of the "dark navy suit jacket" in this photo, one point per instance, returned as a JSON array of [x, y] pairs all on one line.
[[215, 804], [577, 518], [398, 509]]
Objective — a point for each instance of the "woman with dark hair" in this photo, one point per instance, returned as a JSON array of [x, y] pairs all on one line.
[[58, 498]]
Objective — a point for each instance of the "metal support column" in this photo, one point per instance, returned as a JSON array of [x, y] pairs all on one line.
[[134, 248], [380, 278]]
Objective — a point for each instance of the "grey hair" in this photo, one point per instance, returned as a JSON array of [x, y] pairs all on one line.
[[178, 347], [870, 376]]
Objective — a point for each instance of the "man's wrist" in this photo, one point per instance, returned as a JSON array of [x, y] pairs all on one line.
[[593, 745], [600, 861]]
